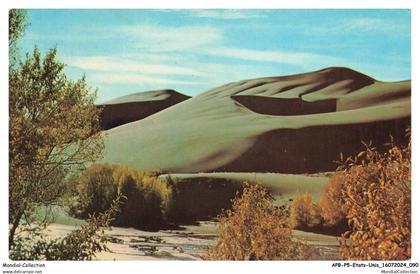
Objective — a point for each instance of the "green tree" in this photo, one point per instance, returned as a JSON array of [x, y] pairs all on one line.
[[53, 130], [17, 25]]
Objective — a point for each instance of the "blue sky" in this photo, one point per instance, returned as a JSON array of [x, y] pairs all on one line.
[[126, 51]]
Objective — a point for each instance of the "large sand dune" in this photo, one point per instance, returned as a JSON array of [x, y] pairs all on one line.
[[289, 124]]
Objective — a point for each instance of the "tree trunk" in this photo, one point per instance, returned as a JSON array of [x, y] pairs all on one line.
[[13, 228]]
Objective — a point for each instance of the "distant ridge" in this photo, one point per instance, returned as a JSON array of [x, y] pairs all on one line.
[[137, 106]]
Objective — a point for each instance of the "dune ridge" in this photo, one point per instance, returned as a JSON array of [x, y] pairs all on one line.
[[289, 124]]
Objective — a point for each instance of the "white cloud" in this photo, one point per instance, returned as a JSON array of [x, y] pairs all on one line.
[[227, 14], [370, 24], [282, 57], [362, 25], [132, 78], [154, 38], [115, 64], [149, 57]]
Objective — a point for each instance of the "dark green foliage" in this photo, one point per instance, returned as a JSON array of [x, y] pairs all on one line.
[[17, 25], [146, 198], [149, 202], [143, 207], [96, 190]]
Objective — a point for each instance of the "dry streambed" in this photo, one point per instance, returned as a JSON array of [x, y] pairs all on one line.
[[188, 243]]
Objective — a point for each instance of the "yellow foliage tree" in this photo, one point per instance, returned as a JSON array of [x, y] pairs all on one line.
[[303, 212], [331, 203], [377, 198], [255, 230]]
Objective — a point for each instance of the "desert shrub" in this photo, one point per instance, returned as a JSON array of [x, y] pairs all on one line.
[[304, 213], [377, 198], [331, 203], [254, 229], [146, 198]]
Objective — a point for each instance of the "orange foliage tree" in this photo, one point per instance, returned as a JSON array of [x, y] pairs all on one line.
[[331, 203], [303, 212], [377, 199], [254, 229]]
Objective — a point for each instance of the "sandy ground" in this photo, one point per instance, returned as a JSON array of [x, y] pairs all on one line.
[[187, 243]]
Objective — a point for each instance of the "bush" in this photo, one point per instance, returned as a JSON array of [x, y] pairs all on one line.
[[377, 199], [303, 213], [96, 190], [331, 204], [255, 230], [147, 199], [146, 202]]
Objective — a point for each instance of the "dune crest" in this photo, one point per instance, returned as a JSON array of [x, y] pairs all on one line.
[[290, 124]]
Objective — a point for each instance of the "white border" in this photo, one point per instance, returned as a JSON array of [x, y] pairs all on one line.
[[199, 267]]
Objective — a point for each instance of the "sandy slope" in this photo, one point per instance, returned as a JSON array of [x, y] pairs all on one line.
[[291, 124]]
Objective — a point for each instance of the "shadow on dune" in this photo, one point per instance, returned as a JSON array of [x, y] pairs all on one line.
[[284, 107], [314, 149], [114, 115]]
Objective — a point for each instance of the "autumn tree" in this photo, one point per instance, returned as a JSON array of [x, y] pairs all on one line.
[[377, 199], [254, 229], [303, 212], [53, 130], [331, 203]]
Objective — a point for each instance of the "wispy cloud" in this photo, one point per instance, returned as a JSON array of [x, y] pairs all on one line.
[[282, 57], [109, 64], [155, 38], [371, 24], [362, 25], [153, 57], [227, 14], [134, 78]]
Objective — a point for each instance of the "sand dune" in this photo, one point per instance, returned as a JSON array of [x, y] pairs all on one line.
[[137, 106], [288, 124]]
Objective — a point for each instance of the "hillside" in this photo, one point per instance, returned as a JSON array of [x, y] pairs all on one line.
[[133, 107], [289, 124]]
